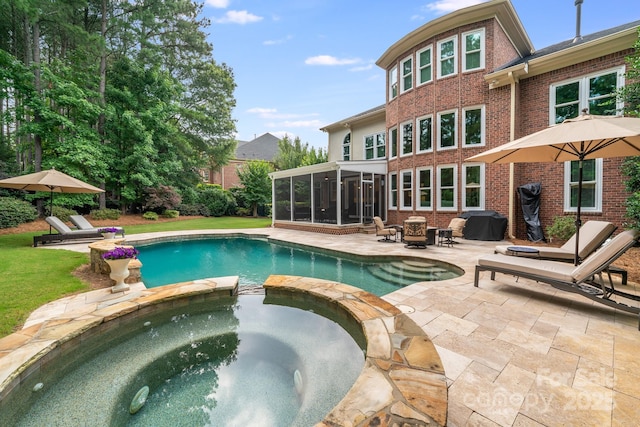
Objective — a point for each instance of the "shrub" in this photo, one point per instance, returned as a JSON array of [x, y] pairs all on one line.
[[152, 216], [105, 214], [218, 201], [171, 213], [14, 212], [563, 228], [243, 212], [62, 213], [194, 210], [162, 198]]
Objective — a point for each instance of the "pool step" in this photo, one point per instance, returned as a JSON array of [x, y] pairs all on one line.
[[403, 273]]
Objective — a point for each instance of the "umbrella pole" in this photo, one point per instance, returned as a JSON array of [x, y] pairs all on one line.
[[576, 258], [50, 208]]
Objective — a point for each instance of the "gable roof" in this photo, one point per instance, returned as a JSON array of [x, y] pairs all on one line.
[[264, 147], [372, 113]]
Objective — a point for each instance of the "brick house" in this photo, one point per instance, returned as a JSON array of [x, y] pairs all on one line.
[[457, 86]]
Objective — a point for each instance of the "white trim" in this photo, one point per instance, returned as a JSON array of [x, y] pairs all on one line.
[[439, 206], [417, 134], [482, 126], [402, 136], [402, 76], [598, 189], [402, 189], [419, 81], [453, 39], [481, 185], [391, 190], [455, 130], [377, 137], [464, 50], [393, 81], [418, 196], [391, 153]]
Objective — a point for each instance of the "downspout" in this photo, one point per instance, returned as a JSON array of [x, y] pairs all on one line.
[[512, 135]]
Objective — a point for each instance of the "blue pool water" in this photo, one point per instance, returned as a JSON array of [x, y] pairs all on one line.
[[253, 260]]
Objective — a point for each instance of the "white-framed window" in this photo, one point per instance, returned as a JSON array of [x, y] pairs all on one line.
[[447, 128], [595, 92], [424, 66], [447, 184], [424, 184], [447, 60], [393, 190], [374, 146], [406, 194], [473, 186], [393, 83], [407, 138], [406, 67], [393, 142], [474, 124], [591, 186], [346, 147], [473, 50], [424, 129]]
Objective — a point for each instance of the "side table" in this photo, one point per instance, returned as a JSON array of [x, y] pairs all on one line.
[[445, 237], [523, 250]]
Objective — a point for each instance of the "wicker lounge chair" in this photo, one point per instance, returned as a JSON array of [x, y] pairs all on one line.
[[585, 279], [386, 233], [64, 233], [83, 224], [592, 235]]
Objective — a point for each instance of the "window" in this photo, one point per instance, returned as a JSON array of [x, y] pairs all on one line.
[[447, 130], [596, 92], [393, 83], [425, 70], [393, 142], [473, 187], [374, 146], [346, 147], [447, 188], [425, 188], [591, 186], [447, 63], [425, 133], [473, 54], [473, 126], [406, 201], [393, 190], [407, 74], [407, 138]]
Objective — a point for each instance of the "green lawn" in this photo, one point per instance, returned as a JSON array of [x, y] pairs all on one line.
[[31, 277]]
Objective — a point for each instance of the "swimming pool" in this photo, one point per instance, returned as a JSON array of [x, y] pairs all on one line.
[[254, 259]]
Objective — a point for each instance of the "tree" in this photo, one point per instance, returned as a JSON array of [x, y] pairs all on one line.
[[631, 166], [254, 176], [293, 154]]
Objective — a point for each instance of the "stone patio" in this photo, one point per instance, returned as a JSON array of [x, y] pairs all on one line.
[[514, 353]]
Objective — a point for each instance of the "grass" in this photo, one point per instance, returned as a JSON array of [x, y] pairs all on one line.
[[30, 277]]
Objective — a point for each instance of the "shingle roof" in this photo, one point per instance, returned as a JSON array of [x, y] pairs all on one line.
[[264, 147]]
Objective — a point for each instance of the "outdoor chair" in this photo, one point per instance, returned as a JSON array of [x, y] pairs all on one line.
[[415, 232], [64, 233], [384, 232], [592, 235], [83, 224], [585, 279]]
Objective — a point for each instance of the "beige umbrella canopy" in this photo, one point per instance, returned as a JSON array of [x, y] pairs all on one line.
[[582, 138]]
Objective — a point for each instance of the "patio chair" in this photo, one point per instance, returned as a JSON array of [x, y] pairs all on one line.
[[592, 235], [381, 230], [64, 233], [83, 224], [585, 279], [415, 232]]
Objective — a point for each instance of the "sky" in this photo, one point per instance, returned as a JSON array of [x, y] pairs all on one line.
[[300, 65]]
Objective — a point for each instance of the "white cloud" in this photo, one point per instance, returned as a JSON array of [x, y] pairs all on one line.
[[218, 4], [260, 110], [446, 6], [238, 17], [279, 41], [330, 60], [315, 124], [273, 114]]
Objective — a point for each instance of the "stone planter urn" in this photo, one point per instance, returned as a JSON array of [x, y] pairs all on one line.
[[109, 235], [119, 272]]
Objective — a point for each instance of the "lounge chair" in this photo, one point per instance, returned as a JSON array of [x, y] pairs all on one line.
[[592, 235], [585, 279], [83, 224], [64, 233], [386, 233]]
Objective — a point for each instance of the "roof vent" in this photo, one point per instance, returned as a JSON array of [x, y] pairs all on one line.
[[578, 19]]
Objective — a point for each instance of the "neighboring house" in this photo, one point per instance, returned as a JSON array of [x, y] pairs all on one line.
[[457, 86], [264, 147]]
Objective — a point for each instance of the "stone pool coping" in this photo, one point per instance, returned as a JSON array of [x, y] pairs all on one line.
[[402, 380]]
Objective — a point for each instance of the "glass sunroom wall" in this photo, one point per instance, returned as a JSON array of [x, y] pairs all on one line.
[[282, 199], [302, 198], [351, 197], [324, 197]]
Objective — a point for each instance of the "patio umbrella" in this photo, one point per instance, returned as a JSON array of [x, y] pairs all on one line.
[[50, 180], [582, 138]]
